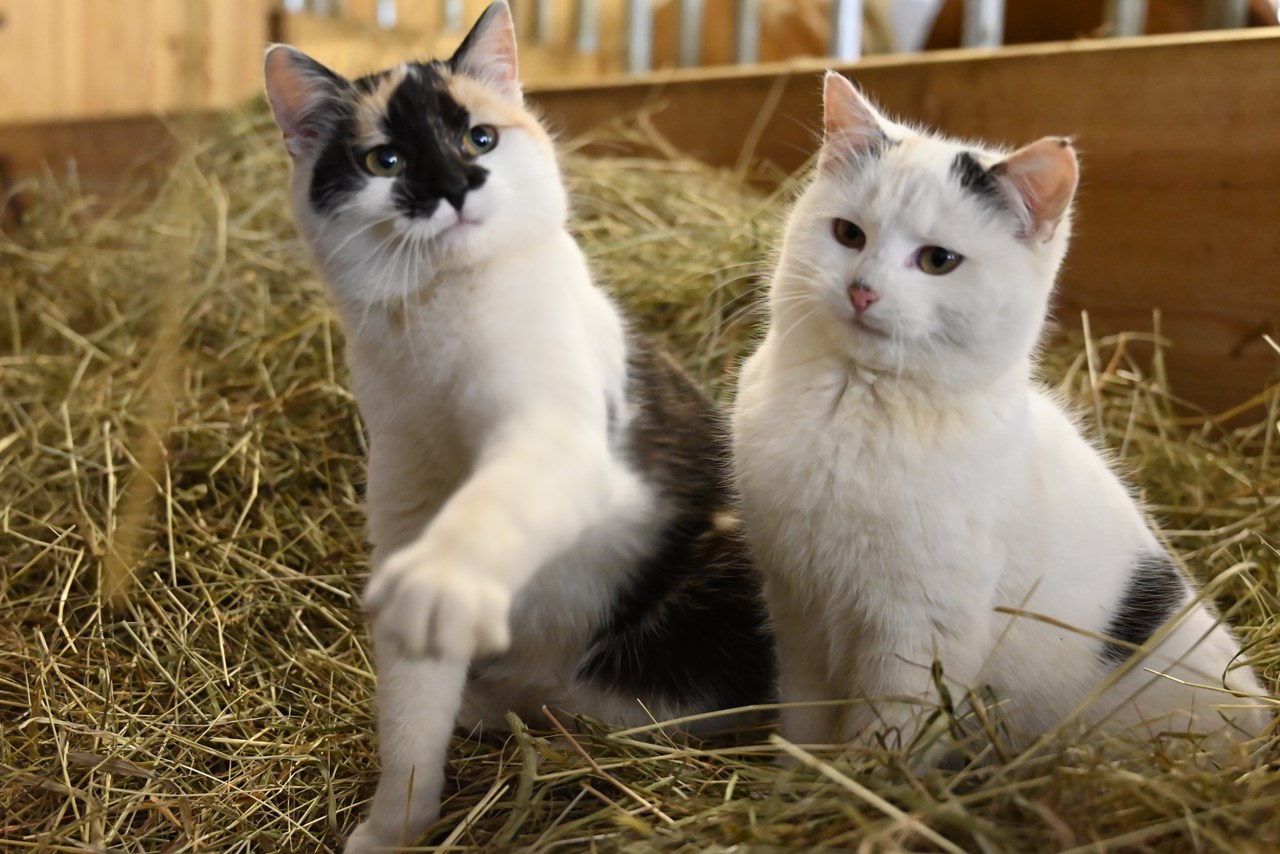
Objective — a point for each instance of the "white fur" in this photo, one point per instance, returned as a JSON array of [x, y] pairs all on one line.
[[483, 360], [902, 476]]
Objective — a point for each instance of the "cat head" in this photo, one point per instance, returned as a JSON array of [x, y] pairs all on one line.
[[424, 168], [920, 256]]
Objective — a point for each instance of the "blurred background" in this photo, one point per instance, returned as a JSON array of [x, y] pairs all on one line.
[[88, 59], [82, 80], [1172, 102], [85, 61]]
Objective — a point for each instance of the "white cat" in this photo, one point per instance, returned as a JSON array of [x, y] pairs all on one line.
[[902, 475], [548, 522]]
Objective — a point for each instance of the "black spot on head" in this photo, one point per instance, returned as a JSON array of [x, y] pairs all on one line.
[[369, 83], [1155, 592], [426, 124], [978, 180], [689, 625]]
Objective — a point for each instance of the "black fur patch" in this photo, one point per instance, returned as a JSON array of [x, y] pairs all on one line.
[[425, 123], [1155, 593], [337, 173], [978, 180], [690, 626]]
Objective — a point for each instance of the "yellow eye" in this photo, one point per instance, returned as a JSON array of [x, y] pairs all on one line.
[[848, 234], [384, 162], [937, 261], [480, 139]]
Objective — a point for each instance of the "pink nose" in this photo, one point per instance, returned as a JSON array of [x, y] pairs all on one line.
[[862, 298]]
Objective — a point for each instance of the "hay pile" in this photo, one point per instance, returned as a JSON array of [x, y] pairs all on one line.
[[225, 702]]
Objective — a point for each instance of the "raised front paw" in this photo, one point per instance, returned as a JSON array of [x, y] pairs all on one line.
[[431, 606]]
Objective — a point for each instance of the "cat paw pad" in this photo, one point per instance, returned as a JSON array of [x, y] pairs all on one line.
[[432, 607]]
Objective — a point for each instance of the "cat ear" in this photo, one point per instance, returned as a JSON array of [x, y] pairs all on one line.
[[1040, 179], [488, 52], [850, 124], [302, 93]]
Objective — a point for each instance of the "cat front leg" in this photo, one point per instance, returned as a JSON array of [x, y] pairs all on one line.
[[894, 693], [418, 701], [808, 716], [544, 480]]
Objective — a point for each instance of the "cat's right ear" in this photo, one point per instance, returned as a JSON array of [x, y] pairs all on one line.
[[488, 52], [302, 94], [850, 124], [1040, 180]]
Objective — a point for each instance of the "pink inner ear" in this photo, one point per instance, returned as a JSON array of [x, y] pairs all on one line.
[[288, 92], [489, 51], [849, 120], [1044, 176], [293, 93]]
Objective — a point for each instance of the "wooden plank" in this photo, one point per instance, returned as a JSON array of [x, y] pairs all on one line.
[[106, 157], [88, 59], [354, 48], [1180, 203]]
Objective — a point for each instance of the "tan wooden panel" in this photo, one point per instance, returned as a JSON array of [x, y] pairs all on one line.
[[91, 58], [1180, 137], [1180, 203], [353, 47]]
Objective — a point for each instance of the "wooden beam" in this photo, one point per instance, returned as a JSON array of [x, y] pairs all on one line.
[[86, 59], [1180, 202], [1179, 207]]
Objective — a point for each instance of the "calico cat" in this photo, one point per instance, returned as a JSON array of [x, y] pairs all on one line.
[[548, 519], [902, 475]]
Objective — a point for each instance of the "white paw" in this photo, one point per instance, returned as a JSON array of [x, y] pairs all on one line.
[[432, 606]]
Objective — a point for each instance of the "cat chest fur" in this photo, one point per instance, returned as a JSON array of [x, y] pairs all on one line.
[[870, 504]]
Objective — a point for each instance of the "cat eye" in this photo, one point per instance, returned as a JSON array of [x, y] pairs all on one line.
[[384, 162], [937, 261], [848, 234], [480, 139]]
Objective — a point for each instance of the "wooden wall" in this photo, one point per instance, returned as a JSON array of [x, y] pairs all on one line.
[[91, 59], [1180, 138], [1179, 207]]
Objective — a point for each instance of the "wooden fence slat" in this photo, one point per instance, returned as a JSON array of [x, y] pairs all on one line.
[[1180, 138], [1179, 205]]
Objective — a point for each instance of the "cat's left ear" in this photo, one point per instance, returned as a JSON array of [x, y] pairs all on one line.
[[488, 52], [1040, 180], [850, 124], [302, 94]]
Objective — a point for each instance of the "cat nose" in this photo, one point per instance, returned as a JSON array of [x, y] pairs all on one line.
[[861, 295]]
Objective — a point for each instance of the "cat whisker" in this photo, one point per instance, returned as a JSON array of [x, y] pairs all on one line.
[[359, 232]]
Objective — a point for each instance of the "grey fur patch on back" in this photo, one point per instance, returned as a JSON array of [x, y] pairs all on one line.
[[689, 624]]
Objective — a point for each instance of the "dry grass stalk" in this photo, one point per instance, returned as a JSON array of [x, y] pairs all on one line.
[[226, 706]]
